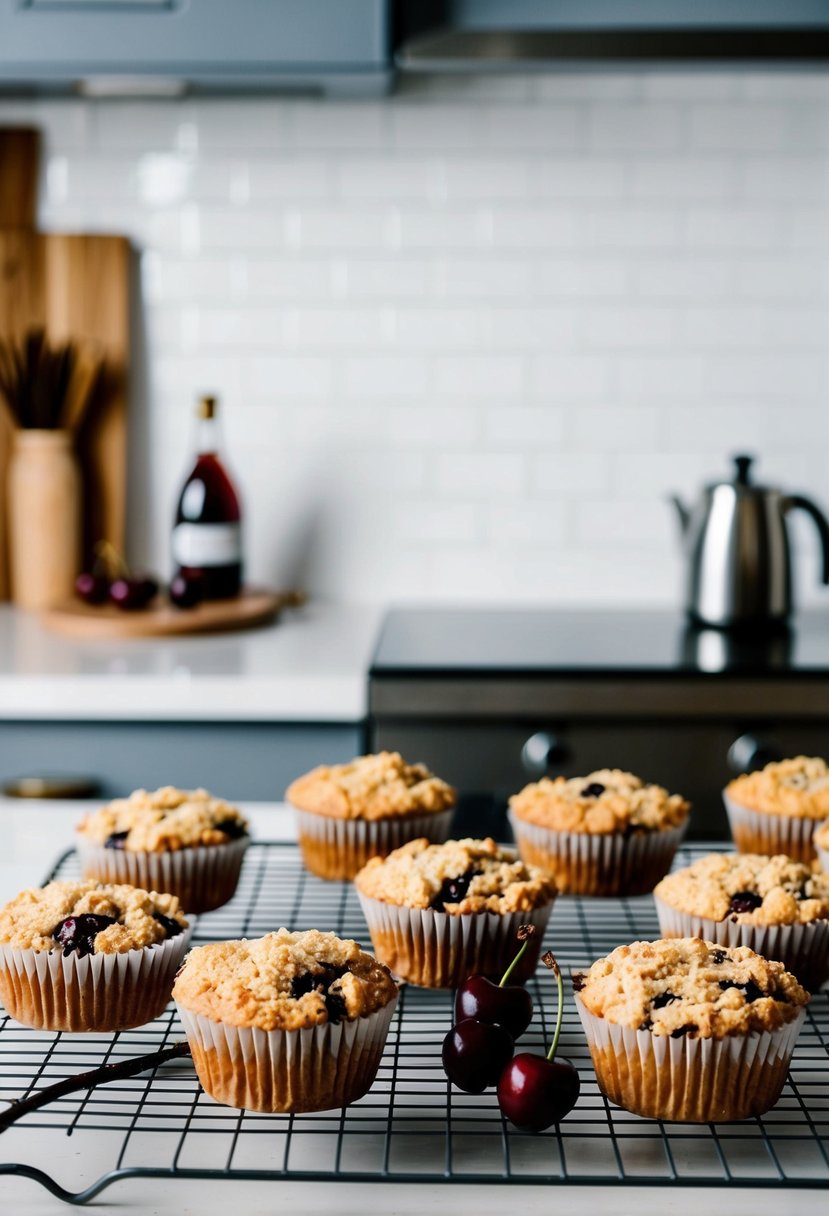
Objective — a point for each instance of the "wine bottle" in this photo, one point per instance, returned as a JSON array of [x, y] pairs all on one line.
[[207, 535]]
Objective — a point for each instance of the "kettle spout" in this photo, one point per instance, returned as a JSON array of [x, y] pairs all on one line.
[[682, 511]]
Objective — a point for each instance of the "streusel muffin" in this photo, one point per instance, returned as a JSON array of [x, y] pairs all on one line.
[[608, 833], [187, 842], [775, 905], [689, 1030], [82, 955], [290, 1022], [821, 843], [439, 912], [347, 813], [777, 809]]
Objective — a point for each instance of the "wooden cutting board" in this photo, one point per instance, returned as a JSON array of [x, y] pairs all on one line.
[[106, 623], [77, 287]]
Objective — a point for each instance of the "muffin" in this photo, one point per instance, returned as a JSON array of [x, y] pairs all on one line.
[[608, 833], [288, 1023], [776, 906], [84, 955], [347, 813], [185, 842], [821, 843], [439, 912], [777, 809], [689, 1030]]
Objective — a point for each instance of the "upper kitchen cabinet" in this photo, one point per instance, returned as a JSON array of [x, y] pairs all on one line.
[[336, 47]]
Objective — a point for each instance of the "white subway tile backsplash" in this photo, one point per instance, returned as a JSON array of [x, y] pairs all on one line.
[[480, 474], [468, 338], [633, 127]]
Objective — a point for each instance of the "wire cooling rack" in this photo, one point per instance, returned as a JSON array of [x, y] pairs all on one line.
[[412, 1126]]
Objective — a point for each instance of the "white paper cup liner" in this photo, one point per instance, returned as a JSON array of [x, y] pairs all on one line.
[[689, 1080], [583, 863], [339, 848], [758, 832], [436, 950], [823, 859], [287, 1071], [803, 949], [48, 990], [203, 878]]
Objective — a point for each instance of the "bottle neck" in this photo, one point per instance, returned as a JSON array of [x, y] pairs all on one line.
[[208, 437]]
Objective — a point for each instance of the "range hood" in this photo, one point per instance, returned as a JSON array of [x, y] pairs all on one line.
[[515, 35]]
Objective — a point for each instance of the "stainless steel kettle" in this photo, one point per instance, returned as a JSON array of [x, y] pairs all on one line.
[[736, 542]]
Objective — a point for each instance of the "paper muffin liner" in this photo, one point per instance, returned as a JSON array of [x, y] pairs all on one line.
[[203, 877], [759, 832], [689, 1080], [436, 950], [339, 848], [823, 858], [803, 949], [584, 863], [48, 990], [287, 1071]]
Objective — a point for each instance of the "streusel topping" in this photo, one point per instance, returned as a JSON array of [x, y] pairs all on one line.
[[283, 981], [821, 836], [685, 986], [31, 919], [371, 787], [457, 877], [748, 888], [164, 821], [798, 787], [607, 801]]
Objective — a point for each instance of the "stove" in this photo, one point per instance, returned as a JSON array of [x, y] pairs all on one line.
[[492, 699]]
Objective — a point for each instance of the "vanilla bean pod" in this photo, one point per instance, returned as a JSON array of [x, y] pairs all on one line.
[[88, 1080]]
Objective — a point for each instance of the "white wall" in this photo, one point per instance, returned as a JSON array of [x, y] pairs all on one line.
[[469, 337]]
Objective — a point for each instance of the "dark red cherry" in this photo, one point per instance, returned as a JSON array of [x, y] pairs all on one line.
[[132, 593], [510, 1006], [534, 1093], [474, 1054], [186, 592], [92, 588], [503, 1004]]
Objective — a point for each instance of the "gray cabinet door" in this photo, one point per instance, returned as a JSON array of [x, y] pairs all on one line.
[[245, 761], [328, 44]]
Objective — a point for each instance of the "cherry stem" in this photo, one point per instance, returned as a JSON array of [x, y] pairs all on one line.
[[528, 938], [550, 962]]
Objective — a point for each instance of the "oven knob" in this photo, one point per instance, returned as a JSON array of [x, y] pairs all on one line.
[[748, 753], [540, 752]]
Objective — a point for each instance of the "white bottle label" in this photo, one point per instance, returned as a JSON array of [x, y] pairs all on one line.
[[207, 544]]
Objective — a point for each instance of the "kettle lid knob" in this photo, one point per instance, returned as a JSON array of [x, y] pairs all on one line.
[[743, 464]]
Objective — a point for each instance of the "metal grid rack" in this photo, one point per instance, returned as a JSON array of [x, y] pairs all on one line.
[[412, 1126]]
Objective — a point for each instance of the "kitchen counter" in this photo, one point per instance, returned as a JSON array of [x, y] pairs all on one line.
[[309, 666], [26, 826]]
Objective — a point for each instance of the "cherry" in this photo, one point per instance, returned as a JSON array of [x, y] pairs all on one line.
[[533, 1091], [91, 588], [474, 1054], [186, 592], [132, 593], [500, 1004]]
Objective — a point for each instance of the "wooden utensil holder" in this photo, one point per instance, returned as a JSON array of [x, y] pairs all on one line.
[[44, 508]]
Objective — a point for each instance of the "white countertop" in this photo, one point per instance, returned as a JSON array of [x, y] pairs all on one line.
[[34, 834], [309, 666]]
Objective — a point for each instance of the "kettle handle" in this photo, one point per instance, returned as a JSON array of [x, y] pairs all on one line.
[[798, 502]]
